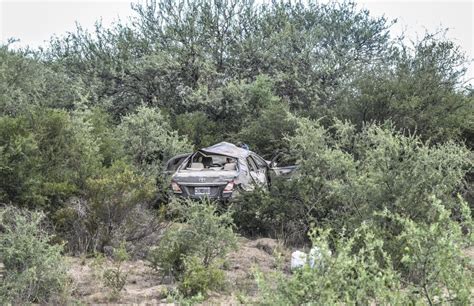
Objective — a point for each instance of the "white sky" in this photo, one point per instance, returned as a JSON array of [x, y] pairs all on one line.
[[35, 21]]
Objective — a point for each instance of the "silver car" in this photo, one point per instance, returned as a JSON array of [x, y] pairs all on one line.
[[221, 172]]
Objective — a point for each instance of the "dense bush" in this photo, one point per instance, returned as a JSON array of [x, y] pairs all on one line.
[[344, 176], [266, 132], [87, 122], [358, 272], [275, 213], [47, 156], [26, 83], [198, 128], [111, 210], [149, 141], [358, 269], [199, 278], [35, 271], [397, 91], [148, 138], [433, 263], [203, 232]]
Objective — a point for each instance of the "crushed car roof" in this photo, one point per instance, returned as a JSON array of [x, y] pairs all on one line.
[[227, 149]]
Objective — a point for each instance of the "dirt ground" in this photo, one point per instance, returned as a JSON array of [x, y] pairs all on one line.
[[145, 286]]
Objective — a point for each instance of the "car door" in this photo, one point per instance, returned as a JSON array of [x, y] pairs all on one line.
[[254, 173], [286, 171], [261, 169]]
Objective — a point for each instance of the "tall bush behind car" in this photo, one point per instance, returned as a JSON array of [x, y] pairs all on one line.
[[148, 139], [345, 175]]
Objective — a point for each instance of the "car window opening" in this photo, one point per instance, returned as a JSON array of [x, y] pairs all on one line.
[[201, 161]]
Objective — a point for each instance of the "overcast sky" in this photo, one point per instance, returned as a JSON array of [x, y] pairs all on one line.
[[34, 21]]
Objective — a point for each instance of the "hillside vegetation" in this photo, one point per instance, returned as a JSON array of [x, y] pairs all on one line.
[[382, 131]]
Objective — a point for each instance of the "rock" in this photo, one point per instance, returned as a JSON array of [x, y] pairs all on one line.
[[298, 259]]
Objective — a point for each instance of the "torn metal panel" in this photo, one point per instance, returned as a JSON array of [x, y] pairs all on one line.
[[228, 149]]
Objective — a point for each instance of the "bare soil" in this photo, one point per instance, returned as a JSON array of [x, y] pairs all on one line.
[[145, 286]]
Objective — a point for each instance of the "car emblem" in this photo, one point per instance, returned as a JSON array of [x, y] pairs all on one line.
[[202, 180]]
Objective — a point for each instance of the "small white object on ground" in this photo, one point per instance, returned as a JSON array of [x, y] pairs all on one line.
[[298, 259]]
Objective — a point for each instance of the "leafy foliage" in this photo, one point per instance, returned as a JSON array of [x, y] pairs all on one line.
[[110, 210], [434, 269], [47, 157], [199, 279], [359, 272], [375, 125], [197, 127], [148, 138], [398, 91], [432, 257], [115, 278], [345, 176], [26, 83], [267, 131], [204, 233], [35, 269]]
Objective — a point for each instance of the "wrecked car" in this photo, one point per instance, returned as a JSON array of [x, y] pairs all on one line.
[[221, 172]]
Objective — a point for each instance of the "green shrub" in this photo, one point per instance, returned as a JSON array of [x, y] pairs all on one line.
[[47, 156], [358, 272], [168, 255], [198, 128], [345, 175], [111, 210], [148, 139], [273, 213], [204, 234], [365, 268], [432, 262], [27, 83], [149, 142], [19, 158], [265, 133], [110, 147], [115, 278], [35, 271], [199, 279]]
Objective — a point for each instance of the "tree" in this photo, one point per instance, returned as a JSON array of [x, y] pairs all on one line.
[[418, 89], [26, 83], [148, 139]]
